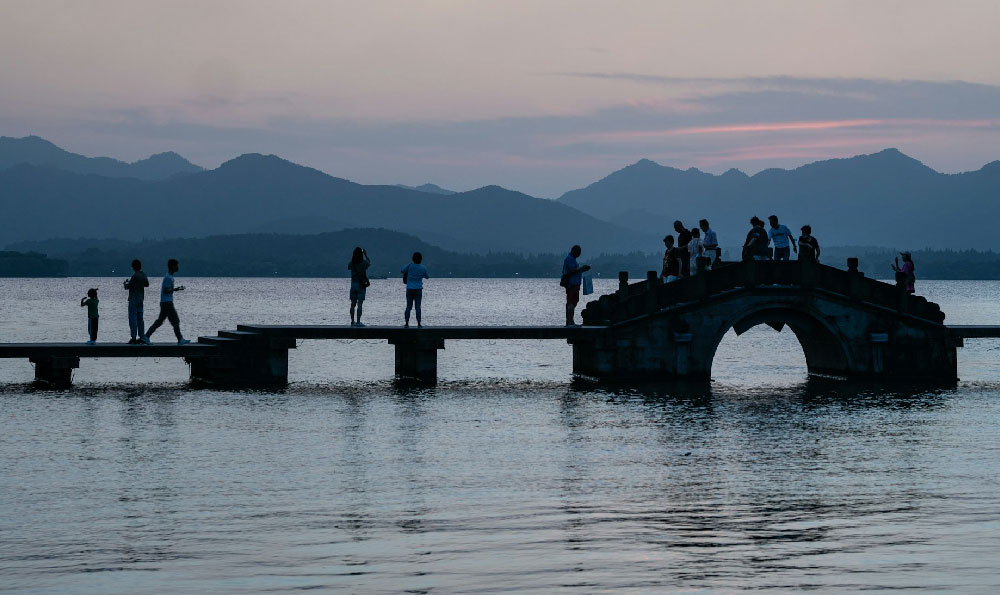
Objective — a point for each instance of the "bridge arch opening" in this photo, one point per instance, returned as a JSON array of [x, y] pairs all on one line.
[[803, 345]]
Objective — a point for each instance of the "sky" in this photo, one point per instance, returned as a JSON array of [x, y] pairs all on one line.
[[538, 96]]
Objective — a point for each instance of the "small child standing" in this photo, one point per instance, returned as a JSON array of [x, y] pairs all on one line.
[[91, 302]]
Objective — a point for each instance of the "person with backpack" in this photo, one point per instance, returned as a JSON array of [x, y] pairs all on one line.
[[572, 279], [359, 281], [414, 275]]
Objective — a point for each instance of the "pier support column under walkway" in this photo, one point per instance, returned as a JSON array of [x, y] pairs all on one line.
[[244, 359], [416, 357], [55, 370]]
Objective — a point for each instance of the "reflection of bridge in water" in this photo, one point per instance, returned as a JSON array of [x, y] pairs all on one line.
[[848, 325]]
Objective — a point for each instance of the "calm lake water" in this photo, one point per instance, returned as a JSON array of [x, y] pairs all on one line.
[[507, 477]]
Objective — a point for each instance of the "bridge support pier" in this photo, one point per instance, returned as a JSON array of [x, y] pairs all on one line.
[[254, 360], [416, 358], [55, 370]]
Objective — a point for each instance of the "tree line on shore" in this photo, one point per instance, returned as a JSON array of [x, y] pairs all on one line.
[[327, 255]]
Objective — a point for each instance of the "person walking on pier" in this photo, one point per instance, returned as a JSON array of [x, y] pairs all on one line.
[[414, 275], [572, 274], [683, 239], [709, 241], [782, 237], [808, 246], [671, 270], [359, 281], [755, 248], [136, 286], [167, 310], [90, 302]]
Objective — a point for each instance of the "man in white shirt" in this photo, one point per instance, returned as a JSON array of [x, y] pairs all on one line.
[[709, 241], [781, 237], [167, 310]]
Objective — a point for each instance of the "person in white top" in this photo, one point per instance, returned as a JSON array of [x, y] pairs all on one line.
[[167, 310], [695, 249], [709, 240], [414, 275]]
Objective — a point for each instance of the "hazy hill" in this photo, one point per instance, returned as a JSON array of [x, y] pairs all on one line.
[[254, 192], [883, 199], [38, 151], [428, 188]]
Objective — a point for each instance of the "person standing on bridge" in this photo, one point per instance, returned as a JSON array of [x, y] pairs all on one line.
[[414, 275], [359, 281], [782, 237], [136, 286], [906, 271], [808, 246], [683, 239], [696, 249], [710, 241], [90, 302], [671, 270], [572, 273], [755, 248], [167, 310]]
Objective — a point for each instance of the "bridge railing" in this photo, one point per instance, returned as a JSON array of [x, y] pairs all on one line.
[[652, 295]]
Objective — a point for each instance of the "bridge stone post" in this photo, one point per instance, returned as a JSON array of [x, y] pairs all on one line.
[[55, 370], [416, 357]]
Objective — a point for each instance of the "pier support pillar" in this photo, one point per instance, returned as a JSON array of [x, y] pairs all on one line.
[[416, 358], [253, 361], [55, 370]]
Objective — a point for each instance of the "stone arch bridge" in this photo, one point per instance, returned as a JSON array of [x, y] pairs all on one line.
[[847, 324]]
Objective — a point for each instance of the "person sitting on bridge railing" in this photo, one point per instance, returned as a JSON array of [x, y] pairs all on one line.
[[755, 248], [671, 270], [808, 246]]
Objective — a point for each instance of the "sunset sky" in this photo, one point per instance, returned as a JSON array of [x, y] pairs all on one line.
[[538, 96]]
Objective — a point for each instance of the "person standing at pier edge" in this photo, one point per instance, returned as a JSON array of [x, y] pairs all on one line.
[[683, 239], [808, 245], [414, 275], [359, 281], [167, 310], [671, 267], [782, 237], [136, 286], [91, 302], [572, 274], [907, 270], [709, 241]]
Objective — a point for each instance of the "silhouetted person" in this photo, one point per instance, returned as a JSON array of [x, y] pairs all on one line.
[[671, 270], [90, 302], [905, 274], [683, 239], [808, 245], [782, 237], [136, 286], [359, 281], [574, 278], [414, 275], [755, 248], [695, 249], [710, 241], [167, 310]]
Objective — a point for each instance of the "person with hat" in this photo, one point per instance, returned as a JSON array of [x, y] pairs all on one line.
[[905, 273]]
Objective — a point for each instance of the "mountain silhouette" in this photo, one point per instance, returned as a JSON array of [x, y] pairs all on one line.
[[263, 192], [34, 150], [428, 188], [882, 199]]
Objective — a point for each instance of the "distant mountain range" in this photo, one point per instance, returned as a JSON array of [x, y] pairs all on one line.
[[883, 199], [38, 151], [259, 193]]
